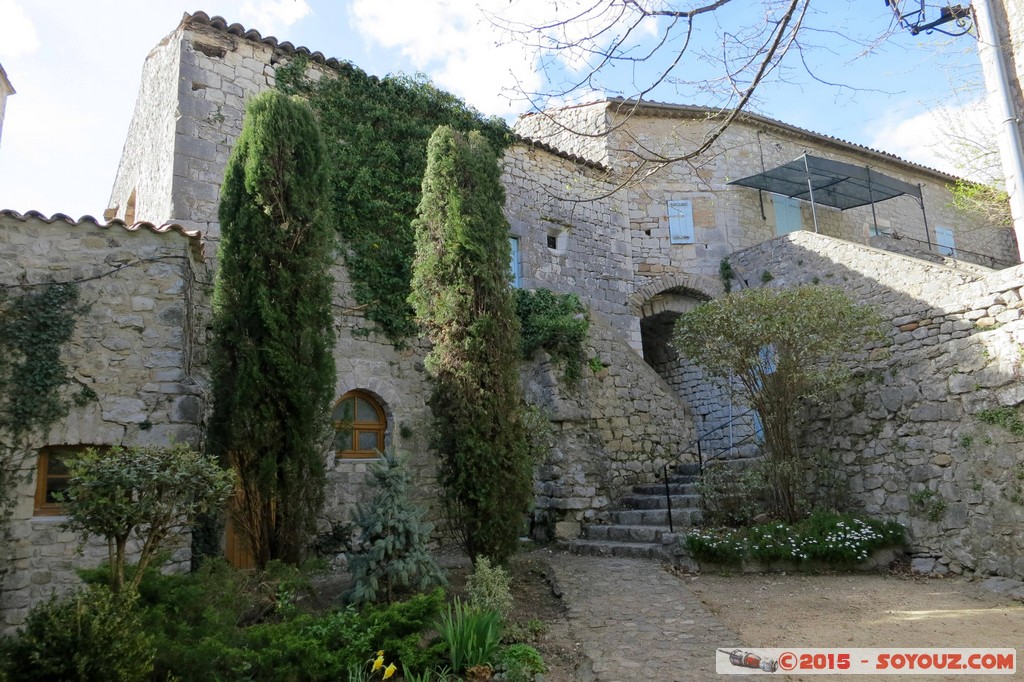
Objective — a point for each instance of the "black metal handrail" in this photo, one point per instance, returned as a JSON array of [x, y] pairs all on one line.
[[934, 248], [700, 458]]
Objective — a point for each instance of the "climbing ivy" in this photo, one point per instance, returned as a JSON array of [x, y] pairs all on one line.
[[34, 326], [556, 323], [376, 132]]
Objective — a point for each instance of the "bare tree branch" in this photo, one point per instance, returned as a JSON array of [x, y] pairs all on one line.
[[663, 44]]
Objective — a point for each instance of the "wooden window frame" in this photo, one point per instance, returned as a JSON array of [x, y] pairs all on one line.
[[43, 477], [355, 428]]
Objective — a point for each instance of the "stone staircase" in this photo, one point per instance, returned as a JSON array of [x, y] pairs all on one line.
[[639, 527]]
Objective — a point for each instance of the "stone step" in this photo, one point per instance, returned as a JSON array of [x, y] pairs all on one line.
[[681, 480], [674, 488], [606, 548], [651, 517], [647, 534], [688, 469], [659, 501]]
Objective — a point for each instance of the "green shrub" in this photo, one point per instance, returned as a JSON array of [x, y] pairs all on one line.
[[471, 635], [224, 624], [718, 545], [399, 629], [520, 663], [89, 635], [488, 588], [145, 492], [464, 304], [202, 622], [556, 323]]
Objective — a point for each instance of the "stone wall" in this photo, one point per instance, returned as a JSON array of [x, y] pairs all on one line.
[[727, 217], [568, 246], [190, 108], [133, 347], [367, 361], [616, 429], [143, 185], [906, 440], [576, 130]]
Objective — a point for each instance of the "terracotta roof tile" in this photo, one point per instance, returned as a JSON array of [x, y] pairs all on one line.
[[89, 220], [670, 110], [204, 19]]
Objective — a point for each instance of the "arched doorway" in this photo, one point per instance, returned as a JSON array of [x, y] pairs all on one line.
[[723, 424]]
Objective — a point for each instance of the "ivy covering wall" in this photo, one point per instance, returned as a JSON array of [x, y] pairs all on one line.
[[376, 132]]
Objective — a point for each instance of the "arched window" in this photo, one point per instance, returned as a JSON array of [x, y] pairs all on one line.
[[359, 425]]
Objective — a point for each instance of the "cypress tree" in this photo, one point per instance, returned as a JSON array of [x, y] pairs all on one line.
[[273, 368], [462, 299]]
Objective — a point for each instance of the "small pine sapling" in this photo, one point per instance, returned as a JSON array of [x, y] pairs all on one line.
[[394, 539]]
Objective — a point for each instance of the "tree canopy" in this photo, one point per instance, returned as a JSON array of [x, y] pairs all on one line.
[[783, 347]]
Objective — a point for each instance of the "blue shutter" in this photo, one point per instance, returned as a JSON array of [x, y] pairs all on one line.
[[680, 222], [787, 215], [945, 241], [517, 269]]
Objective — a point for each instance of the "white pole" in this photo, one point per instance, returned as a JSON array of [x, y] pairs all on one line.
[[993, 62]]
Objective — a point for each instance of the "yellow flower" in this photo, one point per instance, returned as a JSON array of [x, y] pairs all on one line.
[[379, 663], [389, 671], [380, 653]]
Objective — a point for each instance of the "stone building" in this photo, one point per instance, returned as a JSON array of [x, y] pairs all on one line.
[[636, 253]]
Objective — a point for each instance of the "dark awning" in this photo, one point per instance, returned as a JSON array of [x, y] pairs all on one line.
[[832, 183]]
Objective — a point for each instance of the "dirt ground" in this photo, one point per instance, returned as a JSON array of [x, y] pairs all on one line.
[[891, 609], [536, 604], [863, 610]]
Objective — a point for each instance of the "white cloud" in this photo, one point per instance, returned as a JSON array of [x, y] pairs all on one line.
[[17, 32], [956, 139], [454, 44], [270, 16]]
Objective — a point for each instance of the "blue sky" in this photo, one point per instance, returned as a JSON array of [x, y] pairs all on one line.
[[76, 67]]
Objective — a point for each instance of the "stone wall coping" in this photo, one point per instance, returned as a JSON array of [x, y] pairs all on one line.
[[808, 236], [252, 35], [195, 237], [669, 110]]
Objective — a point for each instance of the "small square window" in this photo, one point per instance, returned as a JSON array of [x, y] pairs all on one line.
[[552, 241]]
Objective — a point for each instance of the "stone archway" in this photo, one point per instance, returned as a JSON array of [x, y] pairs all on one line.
[[721, 422], [657, 318], [658, 304]]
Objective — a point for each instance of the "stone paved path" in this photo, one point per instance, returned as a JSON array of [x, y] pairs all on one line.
[[636, 622]]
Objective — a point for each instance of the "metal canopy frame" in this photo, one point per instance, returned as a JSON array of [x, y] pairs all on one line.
[[834, 183]]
